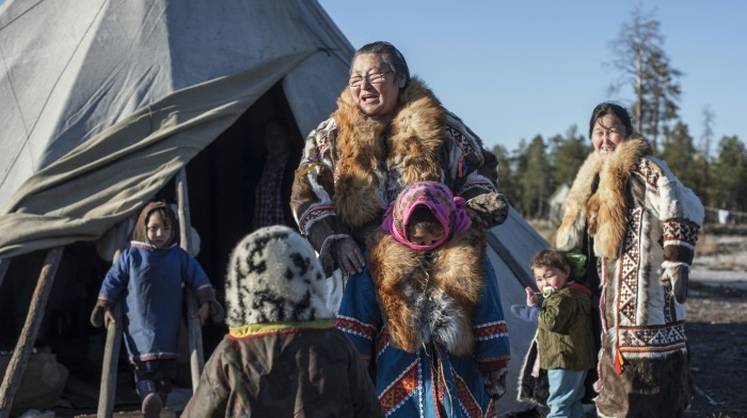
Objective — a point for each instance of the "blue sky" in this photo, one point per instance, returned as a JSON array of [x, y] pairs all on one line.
[[514, 69]]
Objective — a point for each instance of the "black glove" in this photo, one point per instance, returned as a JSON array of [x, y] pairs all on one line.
[[348, 255]]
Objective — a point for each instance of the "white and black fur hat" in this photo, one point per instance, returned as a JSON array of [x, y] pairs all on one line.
[[275, 276]]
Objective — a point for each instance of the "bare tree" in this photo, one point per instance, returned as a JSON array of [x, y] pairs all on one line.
[[707, 137], [640, 59]]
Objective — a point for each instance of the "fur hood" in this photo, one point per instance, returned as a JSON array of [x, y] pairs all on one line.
[[415, 136], [274, 276], [604, 212]]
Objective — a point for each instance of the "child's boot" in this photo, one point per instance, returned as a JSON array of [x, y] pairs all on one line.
[[152, 403]]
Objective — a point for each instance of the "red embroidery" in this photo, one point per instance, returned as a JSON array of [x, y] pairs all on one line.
[[355, 327], [401, 389], [491, 330], [468, 402]]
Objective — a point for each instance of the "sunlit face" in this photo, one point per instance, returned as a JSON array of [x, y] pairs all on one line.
[[550, 276], [158, 230], [373, 85], [425, 233], [607, 134]]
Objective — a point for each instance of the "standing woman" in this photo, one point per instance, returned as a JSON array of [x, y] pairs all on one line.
[[628, 212], [388, 131]]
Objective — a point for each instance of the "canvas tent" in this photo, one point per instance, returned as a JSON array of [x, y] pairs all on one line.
[[104, 101]]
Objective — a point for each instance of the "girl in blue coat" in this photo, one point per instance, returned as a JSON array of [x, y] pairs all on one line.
[[150, 276]]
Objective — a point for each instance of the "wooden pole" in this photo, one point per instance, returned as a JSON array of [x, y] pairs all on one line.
[[108, 387], [4, 264], [17, 365], [194, 327]]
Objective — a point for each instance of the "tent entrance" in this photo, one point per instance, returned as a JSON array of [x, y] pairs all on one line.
[[222, 181], [224, 177]]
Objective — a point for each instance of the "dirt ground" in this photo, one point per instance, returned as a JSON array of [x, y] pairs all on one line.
[[717, 334]]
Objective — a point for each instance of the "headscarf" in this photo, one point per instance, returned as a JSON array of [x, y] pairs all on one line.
[[449, 210]]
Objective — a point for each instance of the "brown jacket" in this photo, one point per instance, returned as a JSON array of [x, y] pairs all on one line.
[[299, 372]]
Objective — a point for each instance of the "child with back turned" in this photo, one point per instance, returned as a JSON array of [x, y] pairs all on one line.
[[564, 338], [282, 356], [149, 276]]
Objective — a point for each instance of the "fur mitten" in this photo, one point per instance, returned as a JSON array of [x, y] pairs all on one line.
[[488, 210], [676, 277], [495, 383]]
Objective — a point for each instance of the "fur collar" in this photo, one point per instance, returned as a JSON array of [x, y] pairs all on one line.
[[415, 135], [604, 212]]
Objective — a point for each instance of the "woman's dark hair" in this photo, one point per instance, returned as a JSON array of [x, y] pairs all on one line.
[[391, 56], [607, 108]]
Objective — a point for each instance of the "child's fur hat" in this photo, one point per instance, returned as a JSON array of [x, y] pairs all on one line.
[[275, 276]]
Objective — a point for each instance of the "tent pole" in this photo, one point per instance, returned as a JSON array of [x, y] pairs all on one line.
[[22, 352], [4, 264], [108, 388], [194, 327], [511, 262]]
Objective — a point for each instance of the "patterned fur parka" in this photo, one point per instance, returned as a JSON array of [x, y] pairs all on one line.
[[643, 224], [354, 166]]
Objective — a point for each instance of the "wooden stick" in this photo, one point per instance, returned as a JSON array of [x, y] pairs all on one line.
[[22, 352], [108, 389], [4, 264], [108, 386], [196, 355]]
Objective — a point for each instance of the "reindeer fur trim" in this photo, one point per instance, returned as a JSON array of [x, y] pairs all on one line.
[[415, 136], [426, 301], [604, 212]]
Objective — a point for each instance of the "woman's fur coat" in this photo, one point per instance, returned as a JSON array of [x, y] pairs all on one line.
[[644, 224], [353, 166]]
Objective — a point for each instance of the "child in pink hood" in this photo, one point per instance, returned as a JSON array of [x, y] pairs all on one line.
[[428, 269]]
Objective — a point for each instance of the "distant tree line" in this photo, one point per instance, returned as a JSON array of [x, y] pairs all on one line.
[[530, 174]]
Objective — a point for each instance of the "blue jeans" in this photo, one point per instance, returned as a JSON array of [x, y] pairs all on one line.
[[566, 392]]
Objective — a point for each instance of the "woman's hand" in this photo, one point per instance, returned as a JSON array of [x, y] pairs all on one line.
[[348, 256]]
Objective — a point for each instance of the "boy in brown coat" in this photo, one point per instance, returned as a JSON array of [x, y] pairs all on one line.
[[283, 356]]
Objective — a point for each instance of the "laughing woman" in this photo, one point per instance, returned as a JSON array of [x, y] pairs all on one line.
[[388, 131], [629, 212]]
